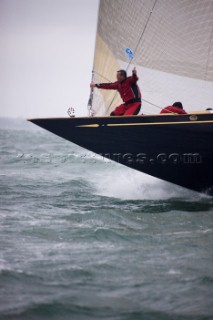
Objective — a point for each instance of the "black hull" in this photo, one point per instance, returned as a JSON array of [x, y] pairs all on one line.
[[175, 148]]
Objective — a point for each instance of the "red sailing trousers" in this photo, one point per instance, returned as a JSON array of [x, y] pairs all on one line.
[[127, 109]]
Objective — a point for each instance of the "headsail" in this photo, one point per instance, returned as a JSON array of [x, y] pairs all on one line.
[[172, 43]]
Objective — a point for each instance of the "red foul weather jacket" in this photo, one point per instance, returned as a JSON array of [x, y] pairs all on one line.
[[128, 89], [173, 109]]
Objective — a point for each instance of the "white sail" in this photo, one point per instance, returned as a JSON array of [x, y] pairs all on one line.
[[172, 43]]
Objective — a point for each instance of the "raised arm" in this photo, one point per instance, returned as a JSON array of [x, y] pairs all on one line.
[[134, 78], [108, 86]]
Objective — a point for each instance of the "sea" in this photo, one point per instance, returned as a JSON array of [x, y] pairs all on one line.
[[84, 238]]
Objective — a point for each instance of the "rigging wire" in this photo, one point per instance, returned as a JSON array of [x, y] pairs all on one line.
[[208, 55], [103, 77], [90, 101], [100, 75], [136, 48], [142, 34], [151, 103]]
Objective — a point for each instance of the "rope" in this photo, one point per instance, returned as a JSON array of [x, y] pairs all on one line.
[[89, 104], [136, 48], [154, 105], [208, 57], [103, 77], [142, 34], [151, 103]]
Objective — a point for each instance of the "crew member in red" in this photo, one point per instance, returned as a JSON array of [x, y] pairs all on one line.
[[129, 92], [177, 107]]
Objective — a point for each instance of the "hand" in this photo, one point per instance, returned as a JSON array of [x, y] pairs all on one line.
[[134, 71], [92, 85]]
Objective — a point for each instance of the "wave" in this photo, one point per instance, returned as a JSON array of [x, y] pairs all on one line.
[[127, 184], [44, 151]]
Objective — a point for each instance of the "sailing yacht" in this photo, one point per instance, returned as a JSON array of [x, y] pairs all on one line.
[[171, 45]]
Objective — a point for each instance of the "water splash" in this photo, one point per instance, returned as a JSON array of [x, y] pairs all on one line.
[[127, 184]]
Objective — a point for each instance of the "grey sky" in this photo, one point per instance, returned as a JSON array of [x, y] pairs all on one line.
[[46, 56]]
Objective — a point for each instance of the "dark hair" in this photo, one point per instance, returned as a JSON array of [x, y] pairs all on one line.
[[123, 73], [178, 105]]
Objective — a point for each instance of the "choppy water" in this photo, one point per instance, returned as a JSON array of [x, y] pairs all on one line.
[[83, 238]]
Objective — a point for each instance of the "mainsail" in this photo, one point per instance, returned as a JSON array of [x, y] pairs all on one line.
[[172, 46]]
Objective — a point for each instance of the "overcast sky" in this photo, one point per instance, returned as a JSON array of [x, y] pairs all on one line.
[[46, 56]]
